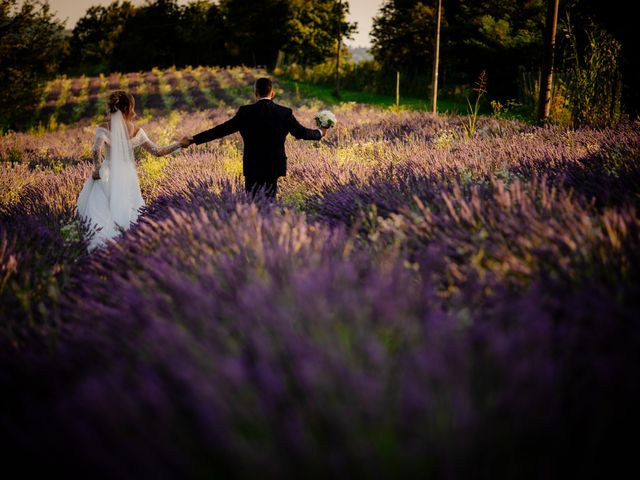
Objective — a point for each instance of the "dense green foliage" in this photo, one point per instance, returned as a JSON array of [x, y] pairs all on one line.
[[313, 29], [501, 37], [31, 44], [123, 37], [403, 37], [613, 16], [162, 33], [96, 34], [592, 83]]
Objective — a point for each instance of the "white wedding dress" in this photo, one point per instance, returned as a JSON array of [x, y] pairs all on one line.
[[113, 203]]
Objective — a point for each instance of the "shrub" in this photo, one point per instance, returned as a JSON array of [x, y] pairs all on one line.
[[31, 45], [592, 81]]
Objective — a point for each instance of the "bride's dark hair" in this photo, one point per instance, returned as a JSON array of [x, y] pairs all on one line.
[[120, 100]]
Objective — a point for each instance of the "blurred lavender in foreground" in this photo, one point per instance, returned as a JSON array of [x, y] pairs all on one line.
[[414, 305]]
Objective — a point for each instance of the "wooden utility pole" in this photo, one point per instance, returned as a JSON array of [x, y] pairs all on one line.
[[338, 67], [339, 48], [546, 77], [398, 90], [436, 60]]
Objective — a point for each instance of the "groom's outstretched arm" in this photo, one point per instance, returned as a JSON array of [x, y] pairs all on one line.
[[301, 132], [227, 128]]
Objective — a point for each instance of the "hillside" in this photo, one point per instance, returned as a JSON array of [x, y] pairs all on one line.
[[71, 100]]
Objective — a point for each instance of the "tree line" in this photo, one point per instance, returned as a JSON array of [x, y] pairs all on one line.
[[595, 66], [503, 38], [162, 33]]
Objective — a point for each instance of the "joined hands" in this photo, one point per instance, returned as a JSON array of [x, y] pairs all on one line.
[[186, 141]]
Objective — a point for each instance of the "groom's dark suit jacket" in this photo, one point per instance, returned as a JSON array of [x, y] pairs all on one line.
[[264, 126]]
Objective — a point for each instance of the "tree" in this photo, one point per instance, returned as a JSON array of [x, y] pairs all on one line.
[[306, 30], [31, 45], [150, 37], [97, 33], [401, 39], [313, 27], [255, 31], [201, 34], [162, 33], [501, 37]]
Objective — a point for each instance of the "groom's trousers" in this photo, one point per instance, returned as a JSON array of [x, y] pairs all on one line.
[[252, 185]]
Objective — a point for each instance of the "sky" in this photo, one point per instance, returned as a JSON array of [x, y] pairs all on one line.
[[361, 11]]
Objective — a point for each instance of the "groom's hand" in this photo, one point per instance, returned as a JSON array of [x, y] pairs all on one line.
[[186, 141], [324, 131]]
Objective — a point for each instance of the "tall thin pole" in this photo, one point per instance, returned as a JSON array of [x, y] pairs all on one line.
[[546, 78], [338, 66], [339, 48], [397, 89], [436, 60]]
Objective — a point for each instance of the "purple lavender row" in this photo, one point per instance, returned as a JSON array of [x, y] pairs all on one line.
[[414, 304]]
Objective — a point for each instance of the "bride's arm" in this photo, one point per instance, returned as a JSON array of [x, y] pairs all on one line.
[[96, 155], [154, 149]]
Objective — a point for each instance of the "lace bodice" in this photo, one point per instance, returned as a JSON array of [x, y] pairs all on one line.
[[140, 139]]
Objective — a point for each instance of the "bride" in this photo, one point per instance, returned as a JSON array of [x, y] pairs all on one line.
[[110, 199]]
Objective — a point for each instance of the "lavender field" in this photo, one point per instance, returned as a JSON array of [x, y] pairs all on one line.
[[416, 304]]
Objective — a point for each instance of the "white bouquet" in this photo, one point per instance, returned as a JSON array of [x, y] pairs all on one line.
[[326, 119]]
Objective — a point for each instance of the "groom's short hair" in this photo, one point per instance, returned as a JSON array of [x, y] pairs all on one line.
[[264, 87]]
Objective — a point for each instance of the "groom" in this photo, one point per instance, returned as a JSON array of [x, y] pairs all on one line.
[[264, 126]]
